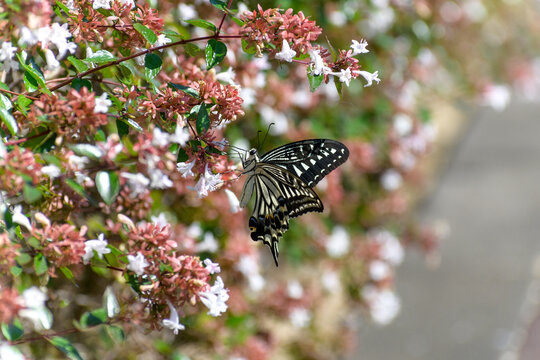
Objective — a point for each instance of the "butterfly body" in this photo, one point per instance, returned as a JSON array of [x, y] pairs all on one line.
[[282, 180]]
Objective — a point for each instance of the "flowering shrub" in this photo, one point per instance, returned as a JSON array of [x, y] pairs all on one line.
[[118, 210]]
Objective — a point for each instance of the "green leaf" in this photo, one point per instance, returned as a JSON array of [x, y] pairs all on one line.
[[152, 65], [67, 273], [12, 331], [30, 83], [192, 49], [215, 53], [148, 34], [134, 124], [62, 6], [314, 81], [31, 194], [40, 264], [9, 121], [22, 103], [24, 259], [191, 92], [16, 271], [221, 5], [79, 64], [110, 302], [66, 347], [116, 333], [88, 150], [248, 47], [203, 120], [78, 84], [202, 24], [33, 77], [173, 35], [76, 187], [122, 127], [100, 57], [107, 185], [5, 103], [93, 318], [182, 156]]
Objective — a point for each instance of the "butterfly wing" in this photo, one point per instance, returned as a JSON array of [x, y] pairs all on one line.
[[279, 195], [310, 160]]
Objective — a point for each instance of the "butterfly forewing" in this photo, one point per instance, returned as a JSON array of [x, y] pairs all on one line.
[[310, 160], [282, 181]]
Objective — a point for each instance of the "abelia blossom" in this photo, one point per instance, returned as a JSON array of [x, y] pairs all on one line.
[[384, 305], [173, 322], [317, 62], [137, 263], [359, 47], [338, 243], [138, 183], [215, 298], [7, 55], [19, 218], [98, 245], [212, 267], [102, 103], [185, 168], [233, 201], [208, 182], [51, 171], [286, 54], [370, 77], [181, 136], [300, 317]]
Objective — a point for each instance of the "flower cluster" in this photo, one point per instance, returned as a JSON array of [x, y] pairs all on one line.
[[269, 29], [75, 117]]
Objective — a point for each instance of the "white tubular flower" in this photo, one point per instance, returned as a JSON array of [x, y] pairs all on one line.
[[180, 136], [215, 298], [173, 322], [52, 63], [137, 183], [209, 243], [19, 218], [187, 12], [286, 53], [338, 243], [370, 77], [159, 180], [227, 76], [300, 317], [212, 267], [345, 76], [101, 4], [359, 47], [160, 138], [317, 61], [233, 201], [102, 103], [391, 180], [51, 171], [98, 245], [137, 263], [208, 182], [35, 310], [185, 168]]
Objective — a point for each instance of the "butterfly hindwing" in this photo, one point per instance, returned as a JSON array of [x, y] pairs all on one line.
[[310, 160], [279, 195]]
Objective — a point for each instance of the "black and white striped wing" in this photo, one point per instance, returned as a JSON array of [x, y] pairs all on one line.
[[279, 195], [310, 160]]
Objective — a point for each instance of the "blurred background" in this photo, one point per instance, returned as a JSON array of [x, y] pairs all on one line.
[[428, 246]]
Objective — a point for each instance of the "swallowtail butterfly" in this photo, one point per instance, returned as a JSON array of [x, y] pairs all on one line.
[[283, 181]]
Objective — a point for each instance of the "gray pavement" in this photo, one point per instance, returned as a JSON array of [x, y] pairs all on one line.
[[477, 304]]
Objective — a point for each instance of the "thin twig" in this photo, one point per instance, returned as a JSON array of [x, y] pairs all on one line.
[[18, 94], [140, 53], [19, 141]]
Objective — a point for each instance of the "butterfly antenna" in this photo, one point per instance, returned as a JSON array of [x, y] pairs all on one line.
[[265, 135]]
